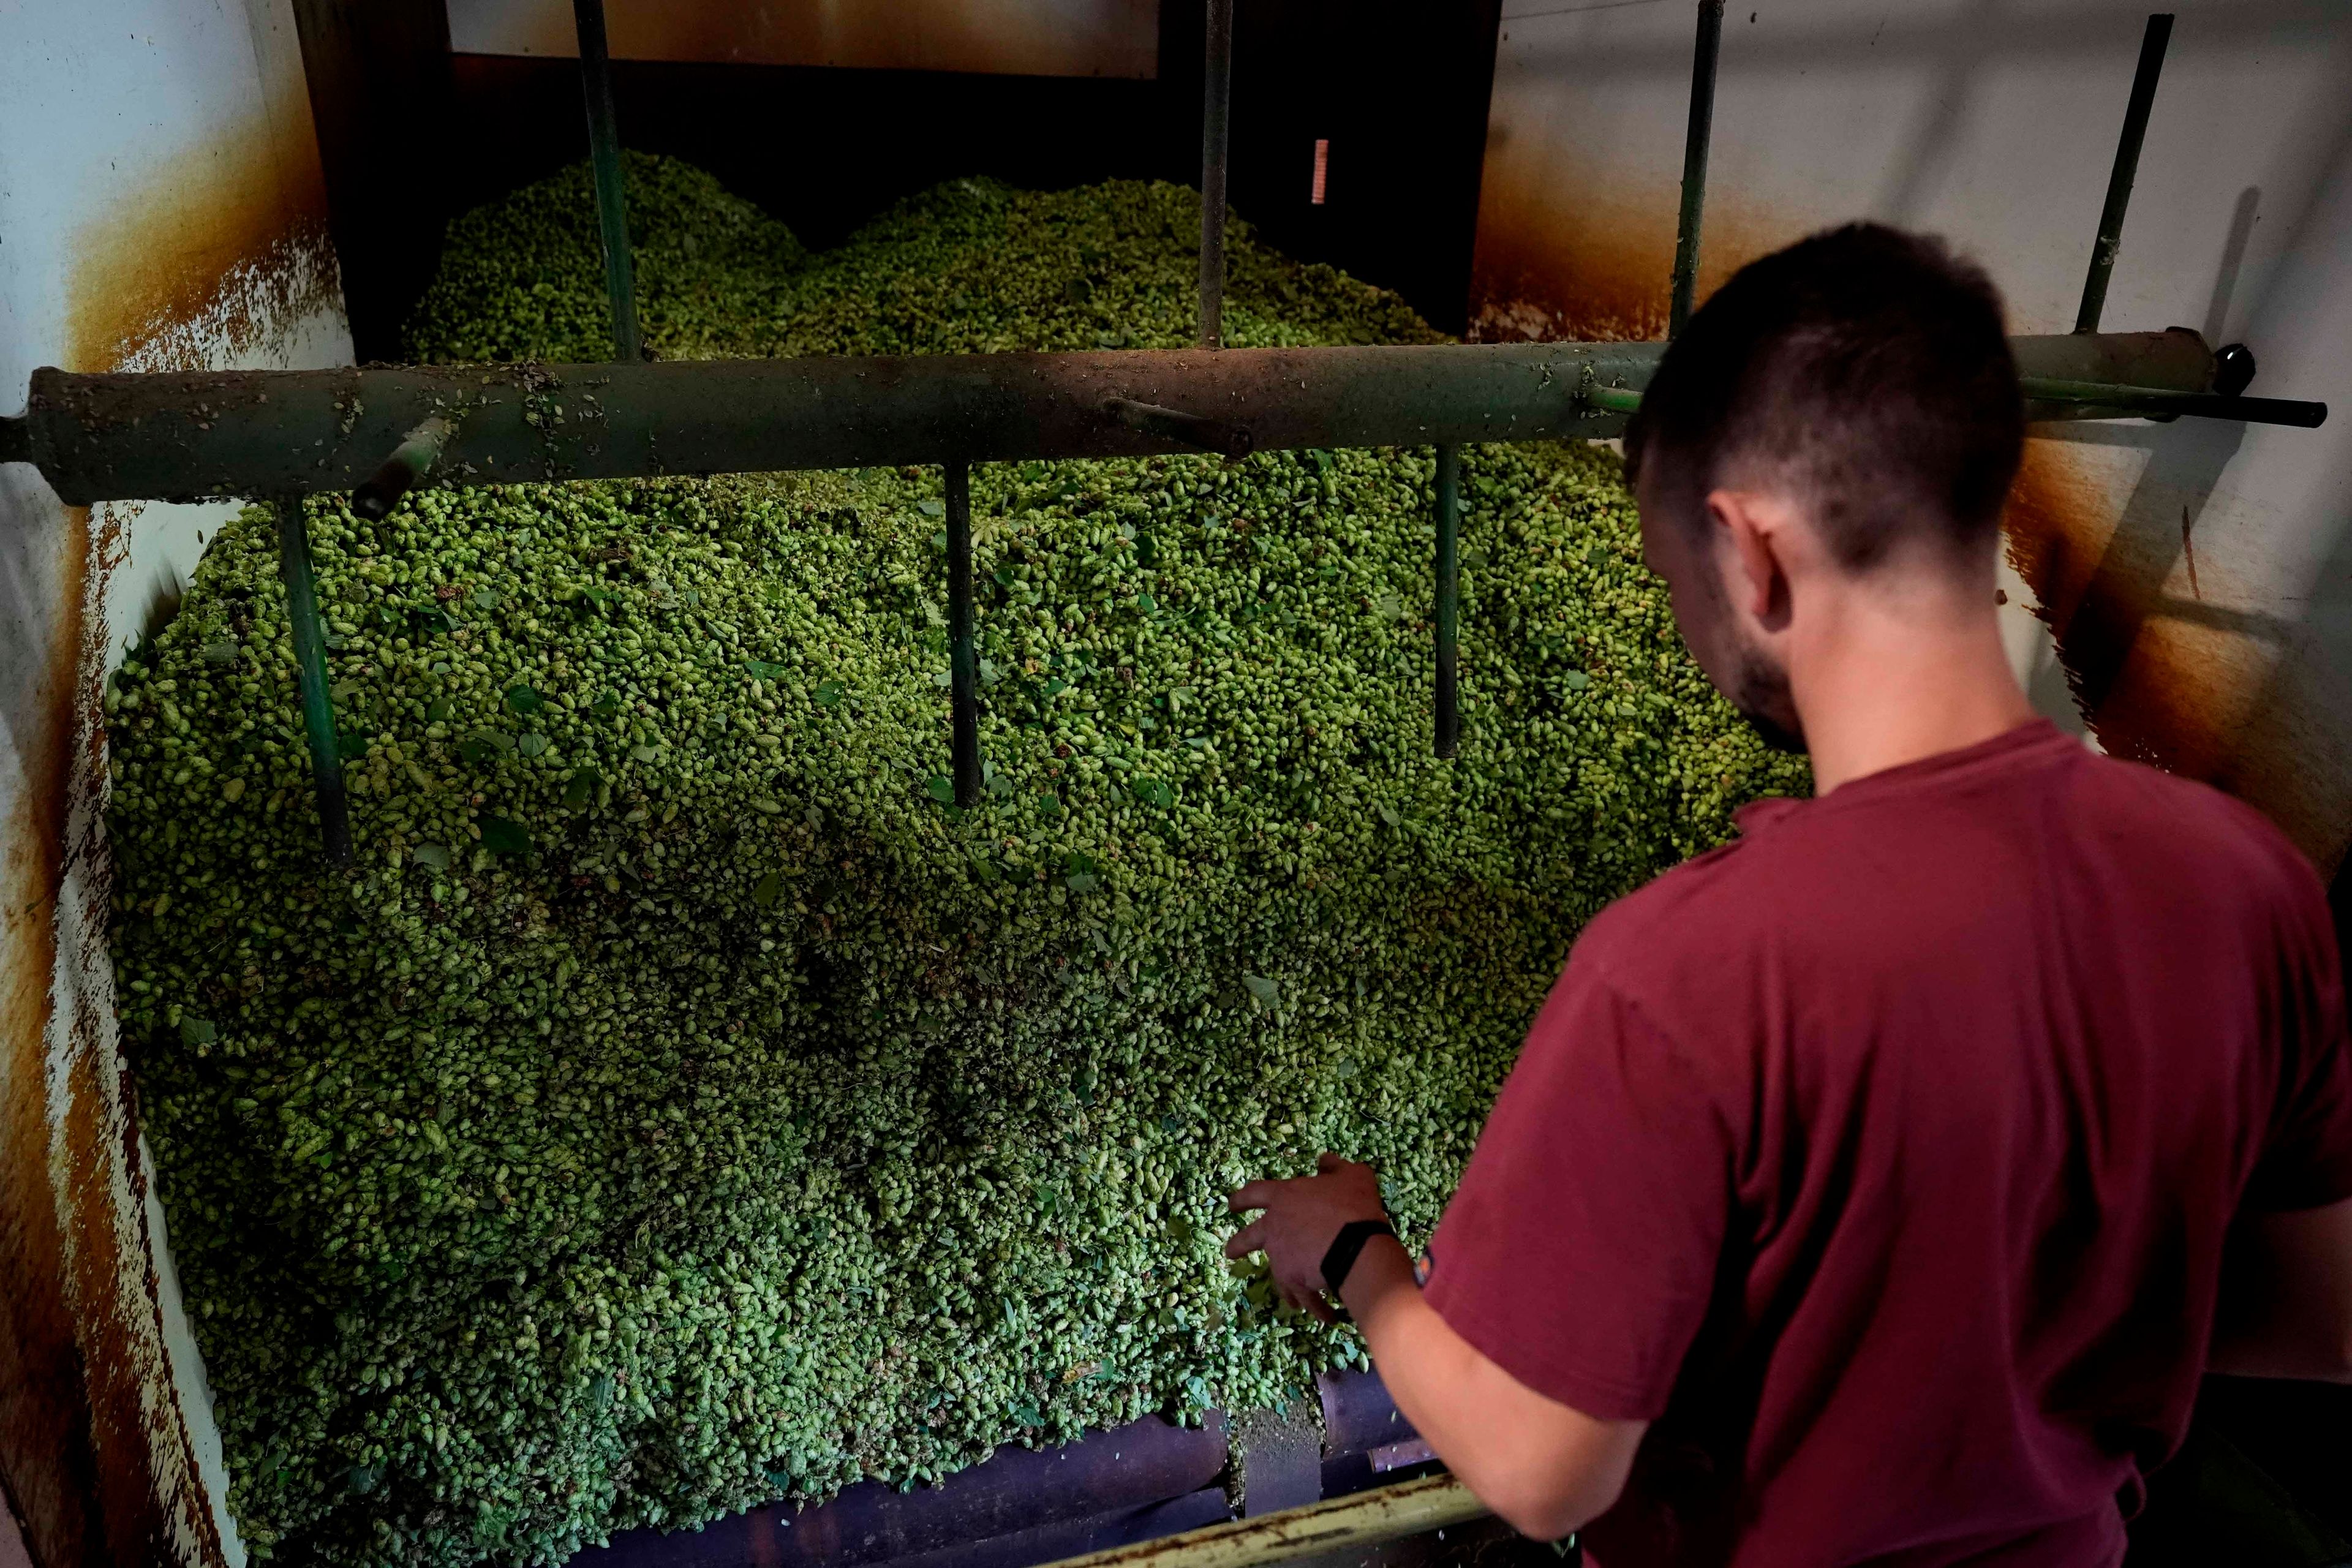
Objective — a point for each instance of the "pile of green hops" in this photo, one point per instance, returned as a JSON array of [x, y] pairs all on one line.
[[523, 278], [681, 1103], [971, 266]]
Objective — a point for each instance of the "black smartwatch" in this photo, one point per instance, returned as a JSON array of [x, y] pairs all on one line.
[[1341, 1256]]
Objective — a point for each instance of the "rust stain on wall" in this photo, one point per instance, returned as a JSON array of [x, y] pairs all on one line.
[[213, 256], [1567, 255], [2164, 671], [217, 245], [2152, 686], [65, 1500]]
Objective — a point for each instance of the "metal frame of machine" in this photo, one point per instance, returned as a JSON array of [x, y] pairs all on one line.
[[281, 436]]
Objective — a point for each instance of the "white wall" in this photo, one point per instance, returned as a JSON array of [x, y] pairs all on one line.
[[1994, 123], [161, 207]]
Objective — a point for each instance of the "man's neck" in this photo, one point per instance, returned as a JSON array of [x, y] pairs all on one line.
[[1901, 673]]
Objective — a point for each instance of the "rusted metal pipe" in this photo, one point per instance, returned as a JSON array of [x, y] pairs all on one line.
[[194, 434], [2110, 238], [184, 435], [1366, 1519]]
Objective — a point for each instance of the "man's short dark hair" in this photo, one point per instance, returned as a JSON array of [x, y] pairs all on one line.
[[1865, 371]]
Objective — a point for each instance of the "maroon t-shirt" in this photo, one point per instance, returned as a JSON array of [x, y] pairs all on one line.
[[1883, 1158]]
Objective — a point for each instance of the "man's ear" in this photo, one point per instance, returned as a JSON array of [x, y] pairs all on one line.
[[1753, 528]]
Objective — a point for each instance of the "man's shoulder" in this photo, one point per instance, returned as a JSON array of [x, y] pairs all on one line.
[[2196, 835], [1810, 884], [1701, 905]]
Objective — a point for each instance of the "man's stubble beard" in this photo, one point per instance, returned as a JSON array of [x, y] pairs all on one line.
[[1761, 695]]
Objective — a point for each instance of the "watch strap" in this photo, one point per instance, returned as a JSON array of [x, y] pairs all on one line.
[[1340, 1256]]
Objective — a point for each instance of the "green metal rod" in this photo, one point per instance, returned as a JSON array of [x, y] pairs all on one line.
[[2119, 181], [604, 157], [1449, 596], [310, 665], [963, 670], [1695, 142], [1216, 122], [2091, 400], [2109, 400]]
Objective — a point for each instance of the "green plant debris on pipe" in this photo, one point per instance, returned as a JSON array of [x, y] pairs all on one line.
[[680, 1103]]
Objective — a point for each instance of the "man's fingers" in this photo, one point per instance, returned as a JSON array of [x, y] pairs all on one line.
[[1322, 1308], [1255, 1195], [1327, 1161], [1246, 1240]]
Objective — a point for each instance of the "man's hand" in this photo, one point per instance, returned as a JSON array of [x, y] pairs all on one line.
[[1302, 1218]]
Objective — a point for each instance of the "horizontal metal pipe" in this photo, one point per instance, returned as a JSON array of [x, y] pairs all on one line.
[[189, 435], [1385, 1513], [193, 434]]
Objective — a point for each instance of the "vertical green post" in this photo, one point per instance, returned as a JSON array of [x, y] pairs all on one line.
[[1449, 594], [2152, 44], [963, 672], [311, 667], [1216, 123], [605, 158], [1695, 142]]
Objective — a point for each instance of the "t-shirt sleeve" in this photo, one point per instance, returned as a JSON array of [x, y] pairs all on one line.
[[2306, 1161], [1579, 1251]]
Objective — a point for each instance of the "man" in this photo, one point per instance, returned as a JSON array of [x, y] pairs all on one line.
[[1883, 1159]]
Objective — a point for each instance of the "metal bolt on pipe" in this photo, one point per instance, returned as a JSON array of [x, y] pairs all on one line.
[[605, 158], [1216, 123], [1174, 425], [409, 463], [964, 671]]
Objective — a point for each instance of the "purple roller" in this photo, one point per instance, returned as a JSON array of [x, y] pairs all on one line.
[[1126, 1470], [1357, 1414]]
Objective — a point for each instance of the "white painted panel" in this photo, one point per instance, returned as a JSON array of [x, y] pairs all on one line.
[[1020, 37], [161, 207]]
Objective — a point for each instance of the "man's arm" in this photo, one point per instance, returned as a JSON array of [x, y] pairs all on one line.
[[1544, 1467], [2286, 1296]]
